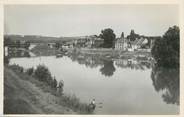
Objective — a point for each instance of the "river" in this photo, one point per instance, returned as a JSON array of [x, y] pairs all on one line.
[[120, 86]]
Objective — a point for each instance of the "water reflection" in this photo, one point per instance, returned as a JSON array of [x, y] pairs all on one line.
[[140, 97], [108, 68], [91, 61], [136, 64], [166, 81]]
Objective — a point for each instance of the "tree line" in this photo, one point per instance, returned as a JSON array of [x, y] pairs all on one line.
[[166, 49], [15, 43]]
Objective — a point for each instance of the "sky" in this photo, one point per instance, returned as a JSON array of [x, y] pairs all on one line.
[[82, 20]]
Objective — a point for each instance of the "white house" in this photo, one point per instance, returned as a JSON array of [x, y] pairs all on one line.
[[137, 44], [51, 45], [121, 44]]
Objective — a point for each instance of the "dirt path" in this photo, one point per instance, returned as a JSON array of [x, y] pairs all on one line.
[[21, 96]]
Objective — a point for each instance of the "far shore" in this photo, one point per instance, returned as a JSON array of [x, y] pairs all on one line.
[[44, 50]]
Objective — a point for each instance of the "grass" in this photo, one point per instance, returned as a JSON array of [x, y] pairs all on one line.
[[17, 106], [73, 102], [69, 101]]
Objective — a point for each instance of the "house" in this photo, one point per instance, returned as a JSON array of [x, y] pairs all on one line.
[[22, 42], [51, 45], [80, 42], [89, 42], [68, 45], [121, 44], [96, 42], [137, 44], [127, 45], [65, 47], [6, 50]]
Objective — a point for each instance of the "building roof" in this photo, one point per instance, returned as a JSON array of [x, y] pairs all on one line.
[[121, 40], [138, 41]]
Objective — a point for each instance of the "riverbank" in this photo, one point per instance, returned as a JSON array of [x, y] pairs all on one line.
[[42, 49], [24, 94], [45, 50], [111, 53]]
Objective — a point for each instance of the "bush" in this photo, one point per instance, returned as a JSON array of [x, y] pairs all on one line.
[[6, 60], [54, 83], [74, 103], [43, 74], [17, 68], [30, 71]]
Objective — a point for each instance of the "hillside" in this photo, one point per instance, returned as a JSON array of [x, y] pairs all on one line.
[[24, 97], [41, 39]]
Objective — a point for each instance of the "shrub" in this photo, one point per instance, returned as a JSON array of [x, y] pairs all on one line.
[[30, 71], [74, 103], [43, 74], [6, 60], [17, 68], [54, 83]]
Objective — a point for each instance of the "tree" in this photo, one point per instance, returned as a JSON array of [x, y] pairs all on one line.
[[166, 49], [108, 69], [7, 41], [166, 81], [109, 37], [54, 83], [43, 74], [57, 45], [30, 71], [132, 36]]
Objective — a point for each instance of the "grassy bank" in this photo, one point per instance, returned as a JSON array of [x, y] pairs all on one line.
[[24, 94]]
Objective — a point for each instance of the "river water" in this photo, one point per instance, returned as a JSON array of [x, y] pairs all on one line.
[[120, 86]]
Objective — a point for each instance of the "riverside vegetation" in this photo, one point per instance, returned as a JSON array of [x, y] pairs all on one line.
[[42, 78], [166, 49]]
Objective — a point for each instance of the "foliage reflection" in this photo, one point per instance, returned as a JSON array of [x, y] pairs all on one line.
[[167, 82]]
